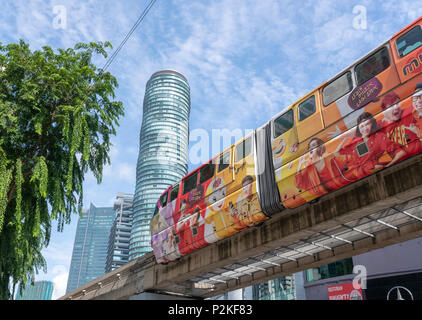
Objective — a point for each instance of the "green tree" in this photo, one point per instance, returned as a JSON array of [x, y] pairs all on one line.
[[56, 117]]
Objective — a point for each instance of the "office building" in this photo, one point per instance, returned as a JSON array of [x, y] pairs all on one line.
[[163, 150], [39, 290], [118, 244], [284, 288], [90, 246]]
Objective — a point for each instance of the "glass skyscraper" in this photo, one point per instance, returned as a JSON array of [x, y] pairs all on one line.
[[90, 247], [40, 290], [118, 244], [163, 150]]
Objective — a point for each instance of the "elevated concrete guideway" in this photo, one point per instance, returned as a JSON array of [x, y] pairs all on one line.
[[378, 211]]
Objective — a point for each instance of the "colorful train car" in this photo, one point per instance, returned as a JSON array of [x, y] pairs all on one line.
[[366, 118]]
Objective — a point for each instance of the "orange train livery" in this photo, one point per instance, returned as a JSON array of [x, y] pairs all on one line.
[[365, 119]]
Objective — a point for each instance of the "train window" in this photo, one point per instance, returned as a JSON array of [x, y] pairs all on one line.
[[283, 123], [337, 88], [190, 182], [243, 149], [410, 41], [163, 199], [224, 161], [307, 108], [206, 173], [174, 193], [372, 66]]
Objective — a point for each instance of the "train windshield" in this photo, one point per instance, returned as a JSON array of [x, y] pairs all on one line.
[[156, 210], [163, 200]]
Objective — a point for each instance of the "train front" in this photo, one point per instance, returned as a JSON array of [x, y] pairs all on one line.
[[163, 233]]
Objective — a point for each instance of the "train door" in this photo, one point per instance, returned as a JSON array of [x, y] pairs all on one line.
[[308, 122], [158, 220], [284, 131], [190, 195], [407, 53], [206, 175], [243, 161], [284, 140], [173, 204], [244, 207], [221, 185], [160, 240], [224, 171], [167, 208]]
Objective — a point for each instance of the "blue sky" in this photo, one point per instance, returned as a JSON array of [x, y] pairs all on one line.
[[245, 61]]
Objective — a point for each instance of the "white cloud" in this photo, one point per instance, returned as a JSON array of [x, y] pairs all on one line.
[[119, 169], [208, 54], [60, 281], [59, 252]]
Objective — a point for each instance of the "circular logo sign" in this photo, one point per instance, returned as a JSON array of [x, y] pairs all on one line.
[[399, 293]]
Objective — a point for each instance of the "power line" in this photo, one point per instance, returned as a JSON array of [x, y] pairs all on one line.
[[144, 13], [142, 16]]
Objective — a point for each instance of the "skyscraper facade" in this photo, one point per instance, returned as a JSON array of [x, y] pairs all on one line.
[[90, 246], [118, 244], [278, 289], [39, 290], [163, 150]]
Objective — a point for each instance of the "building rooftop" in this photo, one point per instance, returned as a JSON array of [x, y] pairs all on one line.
[[169, 71]]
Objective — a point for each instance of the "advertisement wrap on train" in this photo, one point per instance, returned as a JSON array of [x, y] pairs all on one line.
[[365, 119]]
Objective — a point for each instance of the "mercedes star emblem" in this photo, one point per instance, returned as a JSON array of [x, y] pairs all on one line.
[[399, 293]]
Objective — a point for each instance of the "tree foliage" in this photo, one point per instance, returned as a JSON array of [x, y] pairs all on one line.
[[56, 117]]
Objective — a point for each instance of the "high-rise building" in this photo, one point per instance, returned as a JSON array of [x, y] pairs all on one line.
[[278, 289], [289, 287], [163, 150], [39, 290], [90, 246], [118, 244]]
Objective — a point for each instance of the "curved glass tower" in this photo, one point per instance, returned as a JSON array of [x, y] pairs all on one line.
[[163, 150]]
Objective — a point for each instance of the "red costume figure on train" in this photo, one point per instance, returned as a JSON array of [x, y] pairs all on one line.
[[190, 226], [322, 173], [417, 112], [397, 125], [369, 145]]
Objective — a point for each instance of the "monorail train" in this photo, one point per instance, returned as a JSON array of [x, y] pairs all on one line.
[[366, 118]]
